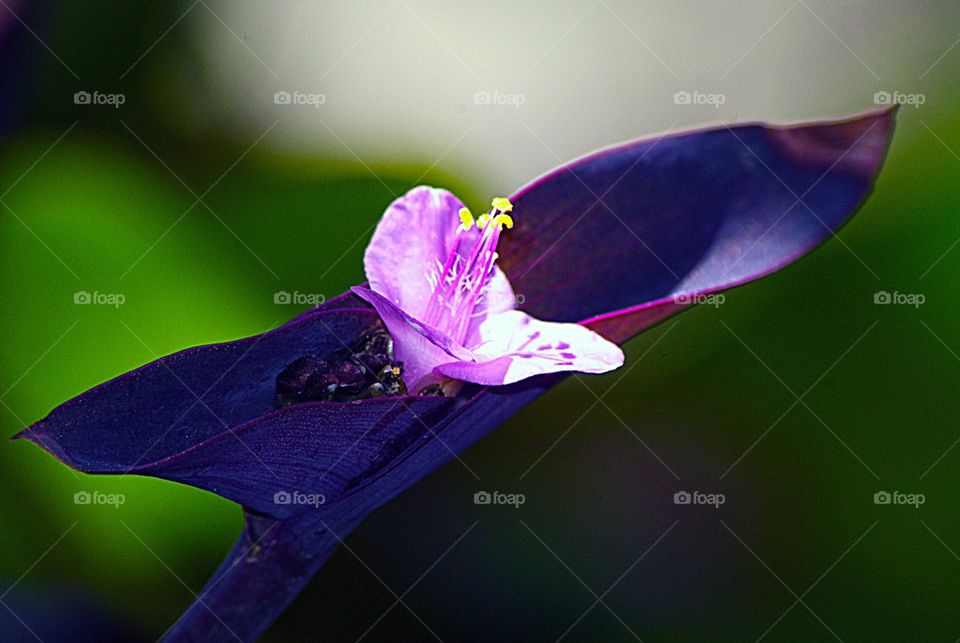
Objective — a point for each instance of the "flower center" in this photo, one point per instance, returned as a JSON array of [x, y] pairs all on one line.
[[460, 283]]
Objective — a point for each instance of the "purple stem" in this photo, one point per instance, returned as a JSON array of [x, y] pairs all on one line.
[[268, 567], [275, 559]]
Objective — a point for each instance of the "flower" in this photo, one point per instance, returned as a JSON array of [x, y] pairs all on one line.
[[451, 311], [616, 241]]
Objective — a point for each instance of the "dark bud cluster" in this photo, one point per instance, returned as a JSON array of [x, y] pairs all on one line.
[[367, 369]]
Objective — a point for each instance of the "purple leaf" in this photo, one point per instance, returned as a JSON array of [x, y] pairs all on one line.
[[619, 236], [180, 401]]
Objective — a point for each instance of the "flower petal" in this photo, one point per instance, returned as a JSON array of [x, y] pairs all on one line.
[[420, 347], [416, 232], [610, 236], [516, 346], [498, 297]]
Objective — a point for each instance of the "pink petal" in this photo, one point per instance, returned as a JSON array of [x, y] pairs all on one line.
[[416, 231], [516, 346], [497, 298], [420, 347]]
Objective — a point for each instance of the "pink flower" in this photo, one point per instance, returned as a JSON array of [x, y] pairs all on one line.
[[451, 311]]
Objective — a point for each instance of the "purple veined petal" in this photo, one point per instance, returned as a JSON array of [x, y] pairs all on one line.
[[416, 232], [516, 346], [685, 214], [420, 347]]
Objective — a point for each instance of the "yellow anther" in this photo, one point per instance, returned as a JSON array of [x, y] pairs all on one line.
[[395, 370], [502, 204], [503, 220], [482, 220], [466, 218]]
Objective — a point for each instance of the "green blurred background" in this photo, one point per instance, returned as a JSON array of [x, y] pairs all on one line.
[[105, 200]]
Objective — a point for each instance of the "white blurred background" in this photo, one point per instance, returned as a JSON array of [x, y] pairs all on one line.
[[406, 80]]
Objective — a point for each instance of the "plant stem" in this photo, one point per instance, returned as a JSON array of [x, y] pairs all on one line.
[[268, 567]]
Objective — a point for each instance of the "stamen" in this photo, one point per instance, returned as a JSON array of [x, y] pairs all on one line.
[[502, 204], [460, 283]]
